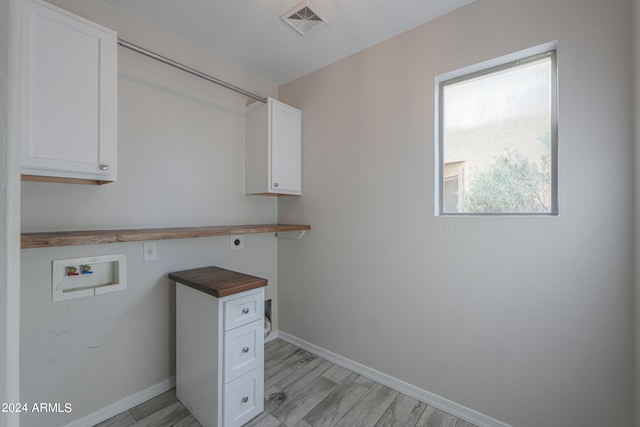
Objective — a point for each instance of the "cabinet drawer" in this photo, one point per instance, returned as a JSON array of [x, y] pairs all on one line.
[[243, 398], [243, 310], [243, 350]]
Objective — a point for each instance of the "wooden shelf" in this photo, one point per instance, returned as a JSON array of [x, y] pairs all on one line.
[[93, 237]]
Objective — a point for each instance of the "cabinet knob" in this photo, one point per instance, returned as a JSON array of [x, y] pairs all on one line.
[[245, 399], [245, 350], [275, 184], [103, 167], [245, 311]]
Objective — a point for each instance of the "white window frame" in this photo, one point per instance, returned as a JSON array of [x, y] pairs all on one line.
[[488, 67]]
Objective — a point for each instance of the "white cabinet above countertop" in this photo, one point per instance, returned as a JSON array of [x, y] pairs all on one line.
[[69, 96], [273, 148]]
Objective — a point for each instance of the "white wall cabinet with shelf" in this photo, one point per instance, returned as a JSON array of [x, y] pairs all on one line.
[[273, 149], [69, 96]]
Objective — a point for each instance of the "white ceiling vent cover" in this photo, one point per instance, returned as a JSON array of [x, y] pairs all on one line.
[[304, 18]]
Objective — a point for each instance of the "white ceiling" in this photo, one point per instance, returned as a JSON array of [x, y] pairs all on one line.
[[250, 34]]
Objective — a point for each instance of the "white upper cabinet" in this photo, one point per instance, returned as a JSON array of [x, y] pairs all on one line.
[[273, 149], [69, 96]]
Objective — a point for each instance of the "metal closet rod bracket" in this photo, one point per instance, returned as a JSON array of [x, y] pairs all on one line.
[[189, 70]]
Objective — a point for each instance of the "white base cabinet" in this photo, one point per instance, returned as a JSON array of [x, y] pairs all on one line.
[[220, 355], [69, 95], [273, 148]]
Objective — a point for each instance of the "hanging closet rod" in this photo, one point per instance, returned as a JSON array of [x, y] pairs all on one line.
[[189, 70]]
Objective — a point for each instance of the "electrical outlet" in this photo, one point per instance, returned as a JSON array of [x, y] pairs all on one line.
[[237, 243], [150, 251]]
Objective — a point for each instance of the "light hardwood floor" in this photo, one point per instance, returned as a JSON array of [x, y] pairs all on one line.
[[304, 390]]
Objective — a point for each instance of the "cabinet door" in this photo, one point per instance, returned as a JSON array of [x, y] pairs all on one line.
[[243, 398], [245, 309], [243, 350], [285, 148], [69, 95]]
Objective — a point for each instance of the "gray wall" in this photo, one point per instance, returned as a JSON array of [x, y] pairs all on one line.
[[180, 164], [9, 209], [636, 205], [4, 106], [525, 319]]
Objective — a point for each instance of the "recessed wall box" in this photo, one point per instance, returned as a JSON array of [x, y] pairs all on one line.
[[89, 276]]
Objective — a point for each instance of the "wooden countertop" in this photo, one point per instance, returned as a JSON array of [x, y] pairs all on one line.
[[92, 237], [217, 281]]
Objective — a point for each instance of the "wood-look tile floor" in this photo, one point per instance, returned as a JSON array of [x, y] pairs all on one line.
[[304, 390]]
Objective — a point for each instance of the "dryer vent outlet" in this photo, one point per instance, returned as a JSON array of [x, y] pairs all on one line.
[[304, 18]]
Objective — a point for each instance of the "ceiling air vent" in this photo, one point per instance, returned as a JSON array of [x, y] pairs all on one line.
[[304, 18]]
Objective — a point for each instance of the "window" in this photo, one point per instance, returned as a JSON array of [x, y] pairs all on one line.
[[498, 139]]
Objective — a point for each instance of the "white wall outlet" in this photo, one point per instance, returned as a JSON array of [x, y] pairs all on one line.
[[150, 251], [237, 243]]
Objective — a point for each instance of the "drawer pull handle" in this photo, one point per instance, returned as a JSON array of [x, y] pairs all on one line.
[[245, 399], [245, 350], [245, 311]]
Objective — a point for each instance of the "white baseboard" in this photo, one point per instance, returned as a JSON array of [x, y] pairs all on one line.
[[124, 404], [272, 336], [434, 400]]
